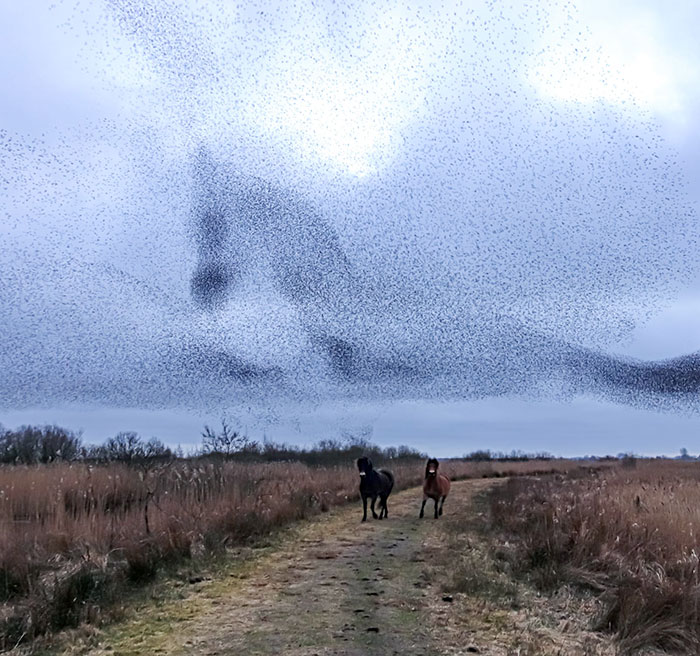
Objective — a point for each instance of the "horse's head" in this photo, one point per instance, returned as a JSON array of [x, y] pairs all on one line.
[[431, 468], [364, 464]]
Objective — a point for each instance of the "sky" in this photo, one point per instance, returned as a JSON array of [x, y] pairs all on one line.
[[465, 227]]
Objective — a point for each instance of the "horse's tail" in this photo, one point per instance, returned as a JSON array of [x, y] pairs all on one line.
[[390, 476]]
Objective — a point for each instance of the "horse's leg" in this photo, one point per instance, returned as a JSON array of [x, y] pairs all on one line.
[[442, 503], [364, 507], [422, 508], [386, 510], [374, 512], [436, 507]]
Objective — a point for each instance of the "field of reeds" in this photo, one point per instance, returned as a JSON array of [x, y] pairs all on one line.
[[75, 536], [629, 535]]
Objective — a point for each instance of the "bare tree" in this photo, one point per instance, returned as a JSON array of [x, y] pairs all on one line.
[[33, 444], [226, 441], [126, 447]]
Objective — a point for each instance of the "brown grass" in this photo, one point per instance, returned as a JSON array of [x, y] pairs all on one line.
[[76, 536], [630, 534]]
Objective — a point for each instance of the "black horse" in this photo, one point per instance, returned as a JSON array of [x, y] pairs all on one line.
[[373, 484]]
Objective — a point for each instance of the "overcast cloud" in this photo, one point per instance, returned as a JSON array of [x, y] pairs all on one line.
[[325, 218]]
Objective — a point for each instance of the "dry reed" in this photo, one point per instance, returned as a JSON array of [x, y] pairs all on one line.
[[74, 536], [630, 534]]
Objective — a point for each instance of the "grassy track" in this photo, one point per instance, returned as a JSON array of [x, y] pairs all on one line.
[[332, 585]]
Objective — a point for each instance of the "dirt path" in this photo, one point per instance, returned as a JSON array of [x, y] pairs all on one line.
[[336, 586]]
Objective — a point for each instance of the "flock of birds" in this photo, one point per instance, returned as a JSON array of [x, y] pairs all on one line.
[[190, 249]]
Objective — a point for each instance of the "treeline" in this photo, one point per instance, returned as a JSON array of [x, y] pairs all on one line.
[[233, 445], [324, 453], [32, 445], [514, 456]]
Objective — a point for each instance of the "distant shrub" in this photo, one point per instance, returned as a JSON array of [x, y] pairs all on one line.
[[479, 456]]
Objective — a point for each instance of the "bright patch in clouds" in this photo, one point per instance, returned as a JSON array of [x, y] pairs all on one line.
[[615, 59], [336, 119], [346, 110]]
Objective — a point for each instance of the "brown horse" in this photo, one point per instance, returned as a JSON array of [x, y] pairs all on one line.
[[435, 486]]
